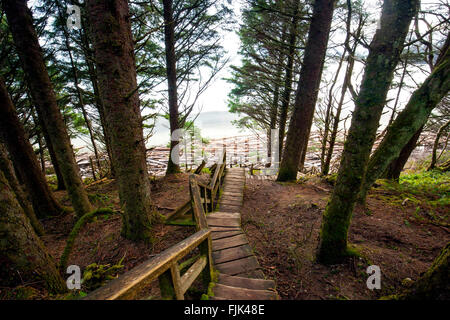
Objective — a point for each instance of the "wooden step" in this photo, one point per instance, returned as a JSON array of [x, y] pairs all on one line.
[[231, 254], [229, 208], [247, 283], [220, 214], [234, 293], [223, 222], [252, 274], [236, 267], [230, 242], [225, 234]]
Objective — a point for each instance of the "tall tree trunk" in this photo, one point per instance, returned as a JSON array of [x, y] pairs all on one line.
[[436, 145], [39, 141], [7, 168], [24, 159], [384, 55], [86, 39], [308, 88], [328, 113], [286, 96], [20, 22], [114, 53], [408, 122], [51, 151], [396, 166], [171, 70], [22, 253]]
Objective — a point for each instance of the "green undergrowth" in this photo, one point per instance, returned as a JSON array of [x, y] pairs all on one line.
[[428, 191]]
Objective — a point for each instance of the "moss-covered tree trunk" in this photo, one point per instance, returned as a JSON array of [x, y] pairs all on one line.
[[20, 22], [114, 53], [7, 168], [92, 71], [408, 122], [396, 166], [435, 283], [24, 158], [308, 88], [23, 256], [171, 71], [384, 55]]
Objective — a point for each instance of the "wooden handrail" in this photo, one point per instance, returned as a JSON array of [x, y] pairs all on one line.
[[128, 285], [165, 266], [208, 193]]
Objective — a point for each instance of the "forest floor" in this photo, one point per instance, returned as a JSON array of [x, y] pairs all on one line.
[[402, 230]]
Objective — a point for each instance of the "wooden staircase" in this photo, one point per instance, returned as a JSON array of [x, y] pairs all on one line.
[[241, 277]]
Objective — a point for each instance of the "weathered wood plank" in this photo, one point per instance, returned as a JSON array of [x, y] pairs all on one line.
[[231, 254], [180, 211], [253, 274], [238, 266], [248, 283], [229, 242], [225, 234], [232, 194], [231, 202], [190, 275], [221, 229], [196, 203], [233, 293], [219, 214], [128, 284], [223, 222], [229, 208]]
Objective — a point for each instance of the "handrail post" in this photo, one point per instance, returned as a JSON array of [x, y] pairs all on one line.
[[206, 250], [167, 286], [196, 203]]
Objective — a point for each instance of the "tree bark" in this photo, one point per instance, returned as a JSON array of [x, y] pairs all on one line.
[[436, 145], [171, 70], [24, 158], [51, 151], [114, 53], [86, 39], [408, 122], [308, 88], [7, 168], [20, 22], [22, 253], [384, 55], [396, 166], [286, 96]]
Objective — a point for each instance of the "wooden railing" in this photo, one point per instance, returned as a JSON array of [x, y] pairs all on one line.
[[209, 193], [166, 266]]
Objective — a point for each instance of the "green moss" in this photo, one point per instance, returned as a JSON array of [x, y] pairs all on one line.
[[181, 222], [76, 229]]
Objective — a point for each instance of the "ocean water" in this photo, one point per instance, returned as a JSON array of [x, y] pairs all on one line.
[[212, 125]]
